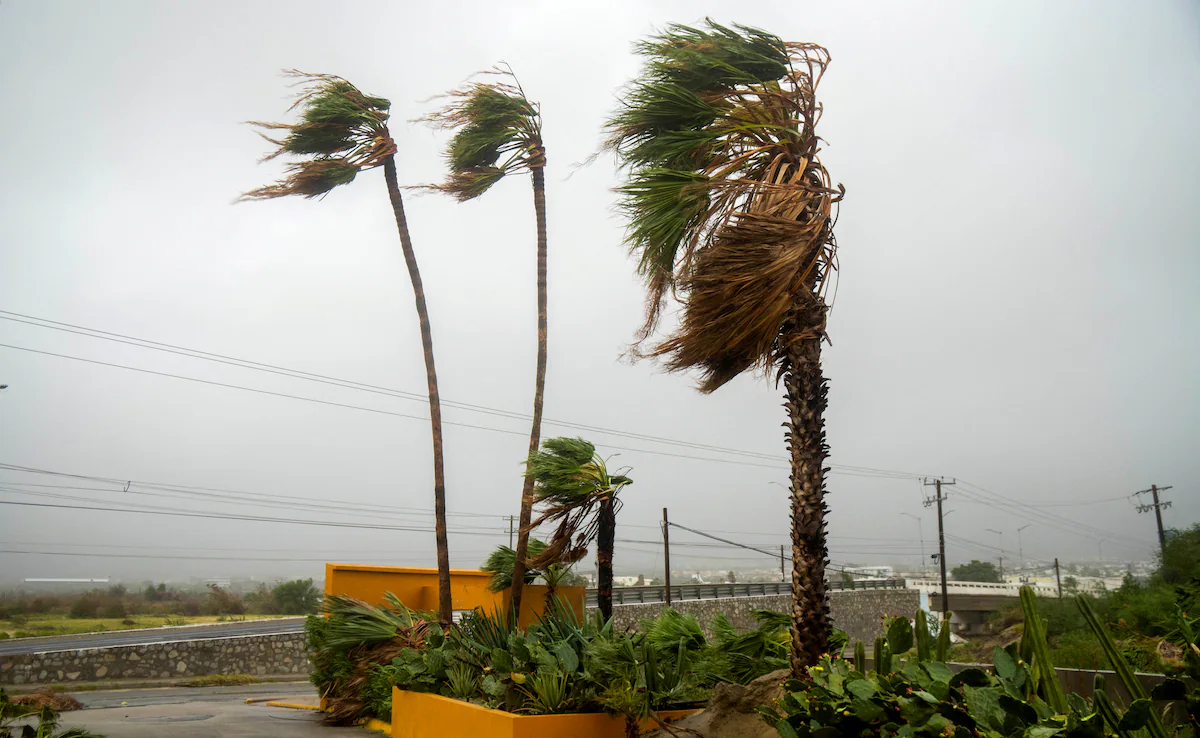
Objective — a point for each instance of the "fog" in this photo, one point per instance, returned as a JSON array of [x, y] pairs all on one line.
[[1016, 305]]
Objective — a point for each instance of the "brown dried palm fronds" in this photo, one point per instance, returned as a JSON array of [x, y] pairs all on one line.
[[572, 481], [340, 132], [730, 209], [498, 132]]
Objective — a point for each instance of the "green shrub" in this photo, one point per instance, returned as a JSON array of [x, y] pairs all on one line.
[[85, 607]]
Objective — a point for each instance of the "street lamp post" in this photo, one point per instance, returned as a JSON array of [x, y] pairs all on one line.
[[921, 536]]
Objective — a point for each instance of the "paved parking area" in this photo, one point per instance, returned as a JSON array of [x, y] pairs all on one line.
[[210, 712]]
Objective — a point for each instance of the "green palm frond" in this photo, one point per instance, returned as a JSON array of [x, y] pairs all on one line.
[[500, 562], [571, 480], [728, 206], [497, 131], [340, 131]]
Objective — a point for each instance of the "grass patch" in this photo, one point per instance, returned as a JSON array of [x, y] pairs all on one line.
[[52, 625], [221, 680]]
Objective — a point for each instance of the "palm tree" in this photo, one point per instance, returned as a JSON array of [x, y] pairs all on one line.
[[731, 211], [575, 490], [499, 132], [342, 132], [501, 564]]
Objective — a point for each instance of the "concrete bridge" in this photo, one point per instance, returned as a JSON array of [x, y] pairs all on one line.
[[972, 602]]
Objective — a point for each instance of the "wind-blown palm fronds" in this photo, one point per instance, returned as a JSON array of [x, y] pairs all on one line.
[[498, 132], [499, 565], [731, 211], [726, 199], [341, 131], [571, 482], [575, 490]]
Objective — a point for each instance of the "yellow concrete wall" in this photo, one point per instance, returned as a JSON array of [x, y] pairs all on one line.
[[418, 589], [422, 715]]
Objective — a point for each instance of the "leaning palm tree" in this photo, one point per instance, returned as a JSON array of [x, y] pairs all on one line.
[[498, 132], [575, 490], [342, 132], [731, 211]]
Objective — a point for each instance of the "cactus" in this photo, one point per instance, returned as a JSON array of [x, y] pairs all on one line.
[[860, 656], [1036, 651], [924, 645], [1154, 724], [883, 657], [943, 638]]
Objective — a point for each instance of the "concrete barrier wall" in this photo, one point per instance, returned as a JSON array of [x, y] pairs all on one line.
[[259, 654], [857, 612]]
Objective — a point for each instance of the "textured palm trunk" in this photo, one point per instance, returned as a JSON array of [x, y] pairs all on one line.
[[435, 405], [807, 394], [605, 540], [535, 433]]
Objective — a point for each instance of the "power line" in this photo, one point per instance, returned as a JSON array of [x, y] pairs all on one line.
[[212, 516], [846, 469]]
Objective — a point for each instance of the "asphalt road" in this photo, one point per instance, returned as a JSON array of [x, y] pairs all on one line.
[[210, 712], [151, 635]]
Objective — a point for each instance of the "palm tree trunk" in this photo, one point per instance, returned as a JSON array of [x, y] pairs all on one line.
[[807, 393], [605, 540], [535, 433], [435, 404]]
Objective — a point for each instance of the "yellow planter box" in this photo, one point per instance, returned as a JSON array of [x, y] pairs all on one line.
[[421, 715]]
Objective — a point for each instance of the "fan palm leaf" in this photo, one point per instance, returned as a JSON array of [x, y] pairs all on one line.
[[340, 132], [731, 211], [497, 132]]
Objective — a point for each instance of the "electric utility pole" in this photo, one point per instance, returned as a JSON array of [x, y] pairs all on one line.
[[939, 499], [1057, 577], [666, 558], [782, 571], [1157, 507], [510, 531]]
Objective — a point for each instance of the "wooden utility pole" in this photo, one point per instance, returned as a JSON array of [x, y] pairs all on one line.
[[666, 525], [939, 499], [1157, 507], [782, 571], [1057, 578], [510, 531]]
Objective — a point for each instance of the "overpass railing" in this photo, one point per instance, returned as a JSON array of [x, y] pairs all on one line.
[[657, 593], [1003, 589]]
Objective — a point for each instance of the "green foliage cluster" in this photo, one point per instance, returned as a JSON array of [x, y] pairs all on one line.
[[44, 723], [917, 694], [556, 665], [976, 571], [1138, 613]]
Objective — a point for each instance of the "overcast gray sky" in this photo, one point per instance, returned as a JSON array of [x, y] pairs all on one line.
[[1017, 304]]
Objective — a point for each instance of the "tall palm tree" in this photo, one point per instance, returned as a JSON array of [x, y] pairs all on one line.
[[731, 211], [499, 132], [342, 132], [575, 490]]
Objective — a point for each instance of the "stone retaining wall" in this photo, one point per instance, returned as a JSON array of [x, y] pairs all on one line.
[[282, 653], [858, 612]]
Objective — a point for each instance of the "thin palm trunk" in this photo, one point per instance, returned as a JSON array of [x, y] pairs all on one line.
[[605, 539], [807, 393], [535, 433], [435, 404]]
